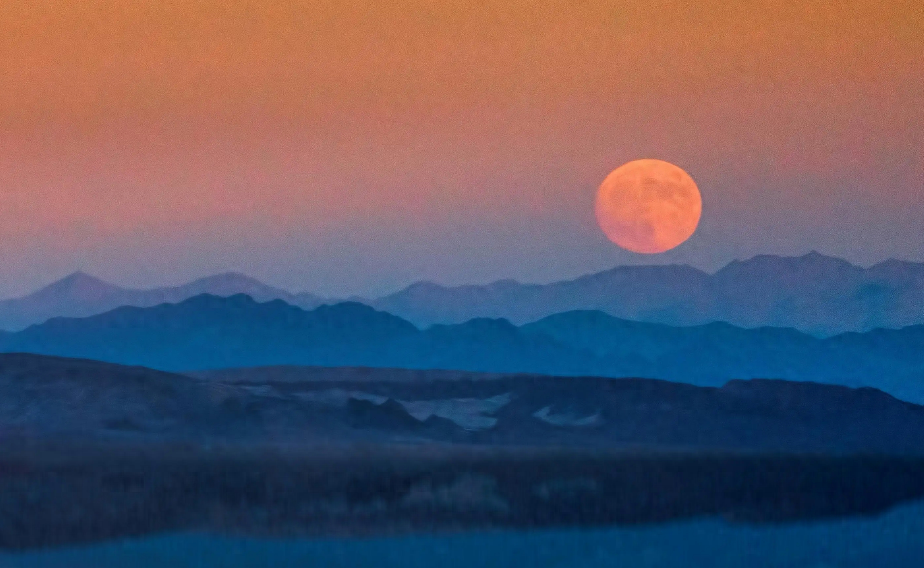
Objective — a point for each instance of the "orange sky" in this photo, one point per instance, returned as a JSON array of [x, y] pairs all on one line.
[[356, 146]]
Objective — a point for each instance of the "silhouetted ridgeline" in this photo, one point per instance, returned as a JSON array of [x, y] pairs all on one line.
[[81, 295], [50, 398], [214, 332], [813, 293]]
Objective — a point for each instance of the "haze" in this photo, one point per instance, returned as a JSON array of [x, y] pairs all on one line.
[[349, 147]]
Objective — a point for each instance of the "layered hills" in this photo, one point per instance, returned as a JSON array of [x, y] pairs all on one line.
[[814, 293], [80, 295], [210, 332]]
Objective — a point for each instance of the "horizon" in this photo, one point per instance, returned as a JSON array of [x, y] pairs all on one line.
[[347, 297]]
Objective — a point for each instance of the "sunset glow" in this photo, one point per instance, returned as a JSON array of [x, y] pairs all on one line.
[[153, 142]]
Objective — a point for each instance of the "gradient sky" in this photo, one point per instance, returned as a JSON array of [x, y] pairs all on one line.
[[353, 147]]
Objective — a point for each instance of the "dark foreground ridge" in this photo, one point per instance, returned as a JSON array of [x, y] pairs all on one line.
[[47, 397], [92, 450]]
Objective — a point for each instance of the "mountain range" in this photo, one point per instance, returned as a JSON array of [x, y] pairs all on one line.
[[210, 332], [814, 293], [80, 295]]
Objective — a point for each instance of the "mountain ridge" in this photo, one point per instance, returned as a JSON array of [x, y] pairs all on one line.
[[207, 332], [80, 295], [814, 293]]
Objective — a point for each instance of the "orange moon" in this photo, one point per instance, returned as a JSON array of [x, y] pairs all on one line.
[[648, 206]]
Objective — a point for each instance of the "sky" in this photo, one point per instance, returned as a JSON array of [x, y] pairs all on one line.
[[353, 147]]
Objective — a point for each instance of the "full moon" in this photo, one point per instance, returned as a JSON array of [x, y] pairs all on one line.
[[648, 206]]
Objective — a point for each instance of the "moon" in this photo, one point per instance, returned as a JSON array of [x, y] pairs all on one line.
[[648, 206]]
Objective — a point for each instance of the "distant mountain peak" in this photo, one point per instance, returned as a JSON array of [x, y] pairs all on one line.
[[228, 277], [760, 263], [586, 316], [897, 266], [428, 287], [77, 278], [229, 284], [424, 286], [74, 286], [80, 294], [348, 306], [505, 283], [202, 300], [486, 326], [819, 258]]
